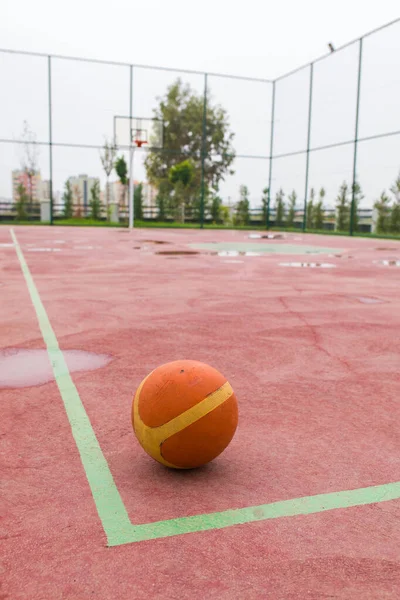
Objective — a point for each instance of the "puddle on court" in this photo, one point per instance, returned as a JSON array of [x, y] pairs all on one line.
[[263, 248], [309, 265], [269, 236], [227, 253], [388, 263], [231, 262], [21, 368], [7, 245], [86, 248], [368, 300], [154, 242], [386, 249], [44, 250], [177, 252]]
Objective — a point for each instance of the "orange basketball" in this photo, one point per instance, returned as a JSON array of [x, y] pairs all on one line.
[[184, 414]]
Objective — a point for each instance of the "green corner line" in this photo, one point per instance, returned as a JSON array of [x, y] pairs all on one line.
[[285, 508], [112, 512]]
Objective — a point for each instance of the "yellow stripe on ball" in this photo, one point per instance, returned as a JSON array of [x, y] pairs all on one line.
[[152, 438]]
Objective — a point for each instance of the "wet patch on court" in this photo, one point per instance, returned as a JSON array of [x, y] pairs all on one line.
[[232, 262], [86, 248], [177, 252], [368, 300], [43, 250], [154, 242], [263, 248], [388, 262], [312, 265], [269, 236], [20, 367], [385, 249], [227, 253]]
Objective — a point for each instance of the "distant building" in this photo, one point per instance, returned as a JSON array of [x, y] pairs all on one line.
[[81, 187], [32, 185], [117, 193]]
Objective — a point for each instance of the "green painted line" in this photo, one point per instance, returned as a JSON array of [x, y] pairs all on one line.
[[284, 508], [108, 502], [112, 512]]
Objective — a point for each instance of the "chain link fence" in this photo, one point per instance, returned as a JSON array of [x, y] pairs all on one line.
[[315, 149]]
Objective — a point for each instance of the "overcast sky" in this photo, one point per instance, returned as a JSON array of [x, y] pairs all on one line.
[[254, 38]]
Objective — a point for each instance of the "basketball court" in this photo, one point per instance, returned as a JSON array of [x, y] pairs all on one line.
[[304, 501]]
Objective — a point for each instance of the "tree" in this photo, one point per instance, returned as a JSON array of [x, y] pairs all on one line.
[[343, 208], [310, 210], [280, 208], [358, 196], [138, 201], [162, 199], [382, 207], [216, 204], [225, 215], [181, 110], [318, 211], [68, 200], [265, 205], [292, 209], [121, 168], [395, 218], [395, 213], [242, 216], [21, 203], [95, 204], [30, 158], [107, 157], [182, 172], [181, 177]]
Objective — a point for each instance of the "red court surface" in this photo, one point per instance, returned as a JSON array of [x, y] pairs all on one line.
[[313, 354]]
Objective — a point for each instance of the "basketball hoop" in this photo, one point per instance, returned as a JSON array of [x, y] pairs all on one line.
[[137, 132], [139, 135], [131, 133], [140, 143]]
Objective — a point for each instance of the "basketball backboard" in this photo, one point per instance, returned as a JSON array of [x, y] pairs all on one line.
[[138, 132]]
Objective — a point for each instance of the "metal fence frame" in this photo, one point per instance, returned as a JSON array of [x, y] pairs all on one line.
[[271, 157]]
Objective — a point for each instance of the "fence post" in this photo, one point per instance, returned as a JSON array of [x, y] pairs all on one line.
[[203, 152], [271, 151], [310, 98], [50, 140], [131, 183], [353, 190]]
